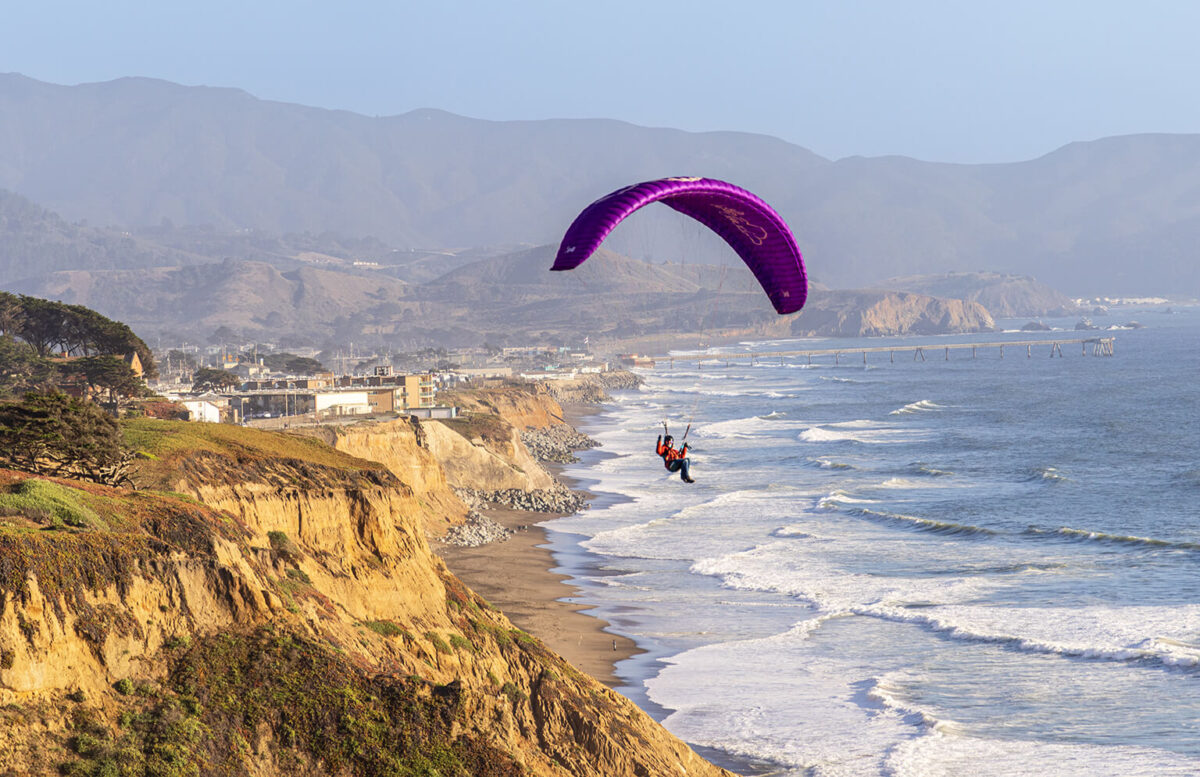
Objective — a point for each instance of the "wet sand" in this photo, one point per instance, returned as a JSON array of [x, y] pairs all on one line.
[[516, 576]]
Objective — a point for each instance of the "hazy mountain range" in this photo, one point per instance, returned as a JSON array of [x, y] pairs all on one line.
[[510, 299], [1118, 215]]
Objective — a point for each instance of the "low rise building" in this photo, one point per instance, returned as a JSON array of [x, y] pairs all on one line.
[[410, 391], [202, 410]]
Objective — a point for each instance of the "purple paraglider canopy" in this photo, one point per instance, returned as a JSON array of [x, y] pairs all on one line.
[[750, 226]]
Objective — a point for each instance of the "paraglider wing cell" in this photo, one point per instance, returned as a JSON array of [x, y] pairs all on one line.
[[750, 226]]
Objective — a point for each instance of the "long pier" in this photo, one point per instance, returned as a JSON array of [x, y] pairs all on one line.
[[1100, 346]]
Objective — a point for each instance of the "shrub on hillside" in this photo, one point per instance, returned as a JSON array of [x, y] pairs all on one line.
[[54, 434]]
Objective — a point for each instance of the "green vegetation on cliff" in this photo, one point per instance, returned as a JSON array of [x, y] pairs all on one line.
[[164, 446], [230, 697]]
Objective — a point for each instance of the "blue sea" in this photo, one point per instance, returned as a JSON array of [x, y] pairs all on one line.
[[972, 566]]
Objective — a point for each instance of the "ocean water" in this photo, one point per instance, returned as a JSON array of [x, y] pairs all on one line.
[[968, 567]]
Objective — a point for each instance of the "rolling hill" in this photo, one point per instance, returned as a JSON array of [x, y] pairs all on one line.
[[1113, 215]]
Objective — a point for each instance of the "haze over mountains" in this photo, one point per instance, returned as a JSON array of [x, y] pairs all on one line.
[[170, 176]]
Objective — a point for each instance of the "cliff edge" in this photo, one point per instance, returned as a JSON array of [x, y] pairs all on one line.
[[267, 604]]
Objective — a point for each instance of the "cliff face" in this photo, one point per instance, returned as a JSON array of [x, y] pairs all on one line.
[[879, 313], [485, 464], [279, 613], [404, 447], [523, 405]]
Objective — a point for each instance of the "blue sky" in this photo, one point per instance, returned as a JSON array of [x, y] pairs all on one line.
[[966, 81]]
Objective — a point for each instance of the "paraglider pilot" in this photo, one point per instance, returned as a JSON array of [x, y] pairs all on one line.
[[674, 459]]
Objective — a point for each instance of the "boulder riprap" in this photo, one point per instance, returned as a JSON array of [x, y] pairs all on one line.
[[557, 499], [478, 530], [556, 443]]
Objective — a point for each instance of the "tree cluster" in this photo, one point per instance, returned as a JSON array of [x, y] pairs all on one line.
[[32, 330], [54, 434], [291, 363], [213, 379], [51, 327]]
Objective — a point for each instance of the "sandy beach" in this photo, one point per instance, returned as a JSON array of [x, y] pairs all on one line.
[[517, 576]]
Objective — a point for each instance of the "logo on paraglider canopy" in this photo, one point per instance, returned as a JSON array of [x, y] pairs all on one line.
[[569, 250], [753, 232], [686, 180]]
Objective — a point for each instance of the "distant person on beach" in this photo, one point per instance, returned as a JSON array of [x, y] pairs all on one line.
[[674, 459]]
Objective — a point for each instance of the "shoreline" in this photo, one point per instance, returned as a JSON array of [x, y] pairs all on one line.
[[518, 575], [587, 564]]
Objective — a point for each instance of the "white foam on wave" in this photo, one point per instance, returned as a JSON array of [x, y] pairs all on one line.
[[797, 700], [925, 524], [858, 423], [842, 731], [817, 434], [865, 432], [950, 604], [706, 391], [838, 497], [901, 483], [946, 755], [670, 537], [921, 468], [743, 428], [1048, 475], [824, 462], [1088, 535], [921, 406], [809, 571], [1099, 632]]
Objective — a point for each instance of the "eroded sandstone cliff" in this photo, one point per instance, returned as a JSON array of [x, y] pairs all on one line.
[[404, 447], [269, 605], [882, 313]]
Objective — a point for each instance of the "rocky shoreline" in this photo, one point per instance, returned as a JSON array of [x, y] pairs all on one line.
[[556, 499], [477, 530], [556, 443], [593, 388], [553, 443]]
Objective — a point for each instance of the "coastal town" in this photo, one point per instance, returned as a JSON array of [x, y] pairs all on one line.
[[224, 385]]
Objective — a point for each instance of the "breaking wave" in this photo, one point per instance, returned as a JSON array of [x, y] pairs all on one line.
[[917, 407], [822, 462], [1083, 535], [1047, 475], [924, 524]]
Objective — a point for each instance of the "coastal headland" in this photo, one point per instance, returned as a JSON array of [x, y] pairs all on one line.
[[271, 603]]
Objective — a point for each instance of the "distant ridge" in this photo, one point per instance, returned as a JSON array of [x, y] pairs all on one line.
[[1113, 215], [1004, 296]]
